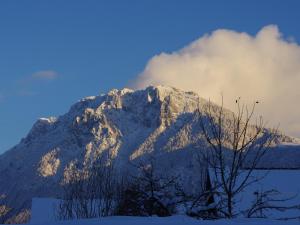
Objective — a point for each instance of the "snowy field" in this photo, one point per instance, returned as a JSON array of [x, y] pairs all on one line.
[[43, 215], [174, 220], [287, 182]]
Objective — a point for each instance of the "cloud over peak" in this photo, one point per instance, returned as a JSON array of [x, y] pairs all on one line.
[[265, 67]]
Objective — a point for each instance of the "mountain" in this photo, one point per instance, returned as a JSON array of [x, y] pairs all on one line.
[[158, 121]]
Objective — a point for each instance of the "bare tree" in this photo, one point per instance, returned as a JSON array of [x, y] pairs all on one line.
[[149, 193], [90, 192], [236, 144], [199, 204], [270, 200]]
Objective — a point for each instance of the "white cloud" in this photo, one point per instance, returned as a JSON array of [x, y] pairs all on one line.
[[45, 75], [263, 67]]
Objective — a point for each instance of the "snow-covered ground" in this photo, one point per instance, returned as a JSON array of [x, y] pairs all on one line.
[[285, 184], [284, 181], [173, 220], [42, 210]]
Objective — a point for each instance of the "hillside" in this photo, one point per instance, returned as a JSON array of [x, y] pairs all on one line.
[[158, 121]]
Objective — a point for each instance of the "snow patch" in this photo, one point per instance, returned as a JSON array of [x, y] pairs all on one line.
[[48, 120], [49, 164]]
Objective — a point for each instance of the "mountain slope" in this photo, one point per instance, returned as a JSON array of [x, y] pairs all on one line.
[[159, 121]]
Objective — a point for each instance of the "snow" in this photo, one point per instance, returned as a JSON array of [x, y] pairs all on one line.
[[42, 213], [43, 210], [286, 182], [173, 220], [48, 120], [288, 144], [132, 124]]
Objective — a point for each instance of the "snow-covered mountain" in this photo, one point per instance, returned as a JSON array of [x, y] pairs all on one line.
[[158, 121]]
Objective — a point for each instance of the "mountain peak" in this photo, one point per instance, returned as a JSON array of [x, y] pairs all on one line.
[[129, 124]]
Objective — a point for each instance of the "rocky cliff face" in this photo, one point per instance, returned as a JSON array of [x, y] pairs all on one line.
[[129, 124]]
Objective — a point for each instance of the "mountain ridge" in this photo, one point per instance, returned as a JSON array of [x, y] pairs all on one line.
[[128, 124]]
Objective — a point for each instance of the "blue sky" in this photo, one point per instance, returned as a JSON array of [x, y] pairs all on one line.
[[55, 52]]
